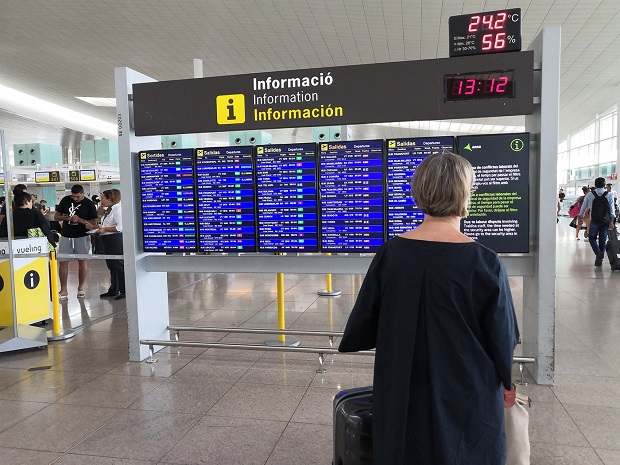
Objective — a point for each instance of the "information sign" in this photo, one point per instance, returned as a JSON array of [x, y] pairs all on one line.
[[351, 196], [167, 193], [225, 196], [403, 157], [499, 207], [287, 198]]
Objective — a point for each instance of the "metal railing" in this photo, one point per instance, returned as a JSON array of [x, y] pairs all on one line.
[[321, 351]]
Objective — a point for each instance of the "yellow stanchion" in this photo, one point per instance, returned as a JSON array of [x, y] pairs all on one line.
[[282, 339], [328, 291], [56, 334], [281, 322]]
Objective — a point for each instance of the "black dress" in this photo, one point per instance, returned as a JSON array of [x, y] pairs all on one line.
[[25, 219], [442, 320]]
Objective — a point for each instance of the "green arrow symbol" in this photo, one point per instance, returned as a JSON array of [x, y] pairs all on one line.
[[468, 147]]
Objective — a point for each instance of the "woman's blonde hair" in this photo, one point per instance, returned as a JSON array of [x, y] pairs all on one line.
[[442, 184], [113, 195]]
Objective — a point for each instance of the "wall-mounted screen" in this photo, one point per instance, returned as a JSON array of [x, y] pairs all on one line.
[[286, 198], [225, 197], [351, 196], [499, 207], [168, 208], [403, 157], [87, 175]]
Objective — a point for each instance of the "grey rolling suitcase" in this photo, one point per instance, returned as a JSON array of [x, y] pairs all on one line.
[[353, 427]]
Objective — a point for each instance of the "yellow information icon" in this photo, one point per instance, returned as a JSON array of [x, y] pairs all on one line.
[[230, 109]]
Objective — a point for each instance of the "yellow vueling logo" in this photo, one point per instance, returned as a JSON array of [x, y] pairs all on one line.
[[230, 109]]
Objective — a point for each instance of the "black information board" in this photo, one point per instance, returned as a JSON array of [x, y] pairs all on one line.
[[225, 197], [499, 207], [167, 193], [403, 157], [337, 95], [351, 196], [286, 198]]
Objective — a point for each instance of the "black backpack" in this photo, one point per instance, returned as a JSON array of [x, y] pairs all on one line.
[[599, 213]]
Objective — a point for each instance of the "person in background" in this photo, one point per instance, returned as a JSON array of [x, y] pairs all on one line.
[[110, 231], [43, 207], [75, 211], [17, 189], [438, 309], [597, 229], [610, 188], [586, 217], [25, 218]]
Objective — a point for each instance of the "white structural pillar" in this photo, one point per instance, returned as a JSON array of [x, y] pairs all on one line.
[[615, 182], [147, 292], [538, 329]]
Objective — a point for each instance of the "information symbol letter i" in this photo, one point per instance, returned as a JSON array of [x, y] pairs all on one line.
[[230, 109]]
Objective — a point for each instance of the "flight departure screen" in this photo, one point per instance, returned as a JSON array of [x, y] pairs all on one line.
[[499, 207], [168, 208], [286, 198], [403, 157], [225, 185], [351, 192]]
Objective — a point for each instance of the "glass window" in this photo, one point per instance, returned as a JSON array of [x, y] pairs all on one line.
[[607, 127]]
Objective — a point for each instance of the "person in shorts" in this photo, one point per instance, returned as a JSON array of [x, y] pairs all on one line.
[[75, 211]]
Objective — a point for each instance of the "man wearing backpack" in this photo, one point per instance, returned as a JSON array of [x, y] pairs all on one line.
[[601, 205]]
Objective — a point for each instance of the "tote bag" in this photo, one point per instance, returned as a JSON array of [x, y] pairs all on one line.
[[517, 421]]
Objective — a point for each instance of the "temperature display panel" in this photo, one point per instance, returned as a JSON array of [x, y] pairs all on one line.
[[351, 196], [225, 196], [286, 198], [403, 157], [167, 193], [482, 33], [474, 86]]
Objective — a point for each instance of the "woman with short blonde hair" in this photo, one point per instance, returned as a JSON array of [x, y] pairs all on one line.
[[437, 307]]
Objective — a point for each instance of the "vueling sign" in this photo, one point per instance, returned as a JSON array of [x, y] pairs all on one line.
[[230, 109]]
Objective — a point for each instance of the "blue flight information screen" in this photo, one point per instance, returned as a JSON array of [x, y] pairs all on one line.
[[168, 208], [351, 193], [286, 198], [403, 157], [225, 197]]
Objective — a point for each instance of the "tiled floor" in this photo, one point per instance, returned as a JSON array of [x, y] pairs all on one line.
[[230, 407]]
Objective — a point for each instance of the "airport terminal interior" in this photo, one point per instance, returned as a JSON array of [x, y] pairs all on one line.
[[93, 398], [80, 401]]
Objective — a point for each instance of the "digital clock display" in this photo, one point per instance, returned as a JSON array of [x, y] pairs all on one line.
[[481, 33], [473, 86]]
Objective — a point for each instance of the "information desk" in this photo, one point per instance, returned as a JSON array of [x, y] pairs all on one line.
[[32, 283]]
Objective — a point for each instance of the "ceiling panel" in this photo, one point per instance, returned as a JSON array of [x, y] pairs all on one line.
[[59, 49]]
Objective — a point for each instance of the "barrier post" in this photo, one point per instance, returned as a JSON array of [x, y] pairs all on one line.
[[328, 291], [56, 334], [282, 339]]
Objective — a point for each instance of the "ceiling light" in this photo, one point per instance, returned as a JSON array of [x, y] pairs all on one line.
[[99, 101]]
